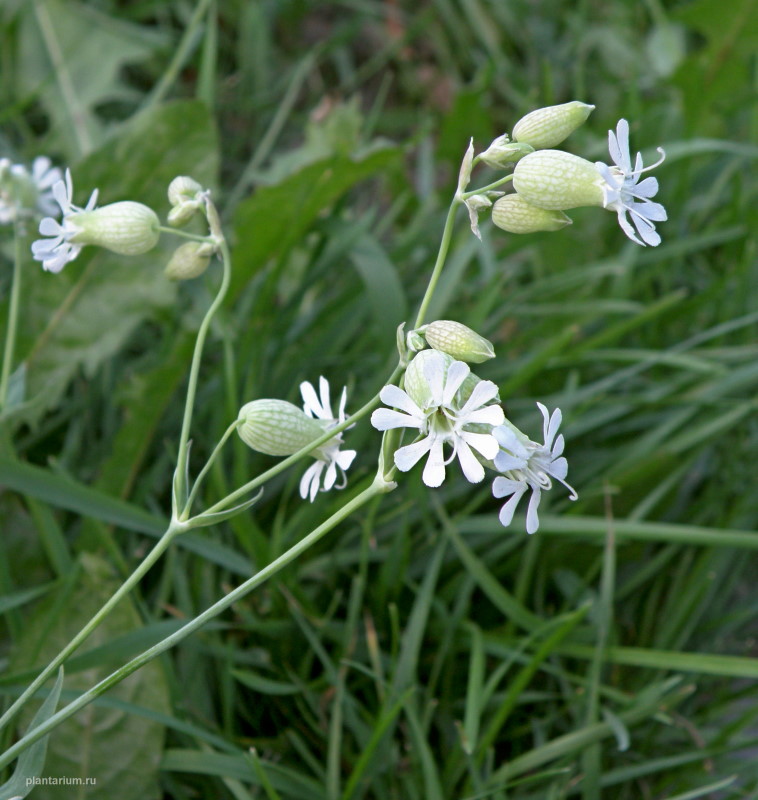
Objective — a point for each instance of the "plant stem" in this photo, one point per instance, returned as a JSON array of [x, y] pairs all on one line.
[[13, 303], [181, 54], [208, 464], [377, 487], [447, 234], [124, 589], [195, 237], [488, 187], [195, 369]]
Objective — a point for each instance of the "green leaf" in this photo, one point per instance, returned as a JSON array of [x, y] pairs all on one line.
[[205, 520], [276, 217], [32, 761], [71, 56], [120, 750], [383, 288]]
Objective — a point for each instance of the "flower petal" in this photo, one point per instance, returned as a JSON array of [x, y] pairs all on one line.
[[309, 483], [311, 405], [434, 471], [408, 456], [383, 419], [483, 392], [326, 405], [344, 458], [484, 443], [505, 462], [434, 372], [471, 468], [394, 396], [457, 373], [501, 487], [507, 511], [532, 520], [491, 415]]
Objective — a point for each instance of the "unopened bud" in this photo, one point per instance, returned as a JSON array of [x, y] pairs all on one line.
[[556, 180], [549, 126], [415, 341], [186, 196], [458, 341], [464, 174], [188, 261], [126, 228], [502, 151], [182, 189], [276, 427], [513, 214]]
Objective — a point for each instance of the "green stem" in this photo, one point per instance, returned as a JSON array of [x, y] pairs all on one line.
[[377, 487], [487, 188], [237, 494], [123, 590], [181, 54], [70, 100], [204, 471], [447, 234], [195, 237], [195, 368], [13, 303]]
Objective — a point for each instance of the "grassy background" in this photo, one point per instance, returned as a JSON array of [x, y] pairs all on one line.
[[421, 651]]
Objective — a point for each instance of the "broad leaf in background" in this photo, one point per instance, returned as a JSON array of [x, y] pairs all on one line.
[[276, 217], [70, 56], [32, 761], [75, 320], [122, 751]]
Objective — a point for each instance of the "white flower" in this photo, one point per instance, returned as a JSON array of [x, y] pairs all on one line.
[[22, 193], [623, 191], [329, 457], [529, 465], [57, 251], [45, 177], [443, 420]]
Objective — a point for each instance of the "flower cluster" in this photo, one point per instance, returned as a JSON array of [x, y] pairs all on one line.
[[548, 182], [453, 410]]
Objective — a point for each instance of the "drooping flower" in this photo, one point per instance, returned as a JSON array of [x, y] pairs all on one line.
[[57, 251], [442, 417], [625, 193], [529, 465], [329, 458]]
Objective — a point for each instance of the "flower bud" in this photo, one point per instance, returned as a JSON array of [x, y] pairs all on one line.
[[513, 214], [464, 174], [186, 196], [502, 152], [126, 228], [189, 260], [458, 341], [414, 341], [549, 126], [556, 180], [276, 427], [183, 189]]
